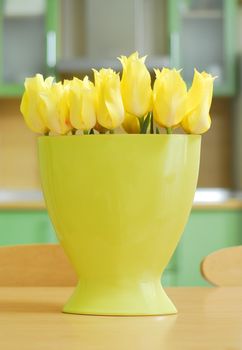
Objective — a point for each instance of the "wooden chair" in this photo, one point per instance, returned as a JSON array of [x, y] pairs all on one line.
[[35, 265], [223, 267]]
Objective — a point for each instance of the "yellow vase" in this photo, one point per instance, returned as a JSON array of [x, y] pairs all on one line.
[[119, 204]]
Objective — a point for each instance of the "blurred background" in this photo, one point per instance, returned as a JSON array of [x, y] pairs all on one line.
[[68, 37]]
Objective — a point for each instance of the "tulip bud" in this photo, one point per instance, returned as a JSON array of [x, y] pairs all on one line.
[[109, 104], [197, 119], [82, 104], [55, 107], [169, 98], [31, 102], [136, 85], [131, 124]]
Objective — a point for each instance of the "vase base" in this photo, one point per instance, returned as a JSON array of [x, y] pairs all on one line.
[[151, 300]]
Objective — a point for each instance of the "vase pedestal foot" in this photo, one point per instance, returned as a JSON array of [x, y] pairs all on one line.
[[130, 299]]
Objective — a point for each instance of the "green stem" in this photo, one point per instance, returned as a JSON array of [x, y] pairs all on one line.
[[151, 123], [141, 122], [85, 132], [111, 131], [46, 133], [169, 131], [145, 124]]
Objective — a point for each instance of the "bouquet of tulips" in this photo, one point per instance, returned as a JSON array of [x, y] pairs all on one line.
[[83, 107]]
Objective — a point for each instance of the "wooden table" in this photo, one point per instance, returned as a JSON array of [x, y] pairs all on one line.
[[209, 318]]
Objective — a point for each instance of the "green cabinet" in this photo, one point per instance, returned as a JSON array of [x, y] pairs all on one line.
[[206, 231], [202, 35], [25, 227], [185, 34], [95, 32], [28, 43]]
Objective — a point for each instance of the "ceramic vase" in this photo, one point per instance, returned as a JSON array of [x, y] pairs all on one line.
[[119, 205]]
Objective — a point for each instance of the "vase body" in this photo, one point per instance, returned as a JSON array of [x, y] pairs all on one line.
[[119, 204]]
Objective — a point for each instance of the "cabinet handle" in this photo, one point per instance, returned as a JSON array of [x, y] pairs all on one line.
[[51, 49]]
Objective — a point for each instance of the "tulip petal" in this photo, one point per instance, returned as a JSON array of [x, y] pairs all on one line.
[[169, 98], [82, 104], [110, 110], [30, 104], [136, 85], [131, 124], [197, 119]]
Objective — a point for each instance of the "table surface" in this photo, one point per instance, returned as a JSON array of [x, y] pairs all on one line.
[[208, 318]]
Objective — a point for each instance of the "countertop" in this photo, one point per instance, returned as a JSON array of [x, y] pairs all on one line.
[[205, 198]]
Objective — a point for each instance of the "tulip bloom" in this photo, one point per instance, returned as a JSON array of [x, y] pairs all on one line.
[[136, 85], [197, 119], [55, 107], [109, 104], [131, 124], [169, 98], [82, 104], [31, 102]]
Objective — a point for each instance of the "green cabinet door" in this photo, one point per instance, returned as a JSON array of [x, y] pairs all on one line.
[[25, 227], [28, 32], [202, 35], [206, 231]]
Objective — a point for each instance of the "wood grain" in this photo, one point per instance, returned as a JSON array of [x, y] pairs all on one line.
[[208, 319], [35, 265], [18, 149], [216, 169]]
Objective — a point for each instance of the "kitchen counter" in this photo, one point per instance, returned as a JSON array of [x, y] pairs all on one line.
[[205, 198], [21, 199], [217, 198]]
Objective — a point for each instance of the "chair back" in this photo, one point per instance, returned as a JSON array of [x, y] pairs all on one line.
[[223, 267], [35, 265]]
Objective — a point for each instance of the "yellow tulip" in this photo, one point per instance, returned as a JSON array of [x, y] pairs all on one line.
[[55, 107], [82, 104], [109, 104], [136, 85], [131, 124], [197, 119], [169, 98], [31, 102]]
